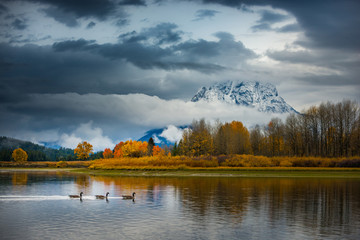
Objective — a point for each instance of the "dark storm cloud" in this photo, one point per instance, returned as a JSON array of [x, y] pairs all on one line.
[[76, 45], [67, 18], [329, 24], [34, 69], [144, 51], [268, 18], [225, 45], [271, 17], [3, 9], [133, 2], [19, 24], [100, 9], [160, 34], [205, 13], [289, 28], [342, 68]]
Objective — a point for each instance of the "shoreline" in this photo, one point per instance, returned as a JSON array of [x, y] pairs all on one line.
[[203, 172]]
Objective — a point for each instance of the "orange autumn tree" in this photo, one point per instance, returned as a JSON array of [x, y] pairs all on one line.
[[158, 151], [108, 153], [131, 148], [118, 153]]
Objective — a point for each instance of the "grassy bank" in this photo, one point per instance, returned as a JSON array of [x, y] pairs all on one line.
[[232, 165], [232, 172]]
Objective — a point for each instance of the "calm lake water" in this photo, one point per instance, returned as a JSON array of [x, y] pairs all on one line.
[[35, 205]]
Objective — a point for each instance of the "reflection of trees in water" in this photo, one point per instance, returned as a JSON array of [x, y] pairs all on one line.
[[317, 204], [23, 177], [83, 183], [19, 178]]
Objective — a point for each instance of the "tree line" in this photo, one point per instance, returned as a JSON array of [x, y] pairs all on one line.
[[327, 130]]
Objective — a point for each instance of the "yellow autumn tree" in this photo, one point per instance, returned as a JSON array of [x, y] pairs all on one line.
[[232, 138], [83, 150], [19, 155], [134, 148]]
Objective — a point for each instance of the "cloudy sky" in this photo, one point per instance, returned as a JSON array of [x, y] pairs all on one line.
[[109, 70]]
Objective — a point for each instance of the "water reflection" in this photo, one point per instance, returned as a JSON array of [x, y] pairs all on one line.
[[251, 208]]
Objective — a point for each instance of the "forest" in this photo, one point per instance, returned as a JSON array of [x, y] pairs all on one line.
[[327, 130], [37, 152]]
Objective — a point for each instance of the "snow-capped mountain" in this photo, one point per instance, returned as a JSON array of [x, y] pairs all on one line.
[[262, 96]]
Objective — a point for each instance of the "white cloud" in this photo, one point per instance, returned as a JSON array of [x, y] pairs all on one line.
[[172, 133], [156, 139], [69, 141], [86, 132]]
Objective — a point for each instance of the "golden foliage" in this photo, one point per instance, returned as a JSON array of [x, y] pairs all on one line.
[[134, 148], [83, 150], [225, 161], [19, 155]]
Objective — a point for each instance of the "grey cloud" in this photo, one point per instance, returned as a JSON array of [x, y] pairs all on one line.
[[143, 50], [83, 66], [225, 46], [267, 19], [121, 22], [100, 9], [162, 33], [91, 25], [285, 29], [329, 24], [341, 67], [19, 24], [133, 2], [76, 45], [289, 28], [330, 80], [205, 13], [67, 18], [262, 27], [3, 9], [271, 17]]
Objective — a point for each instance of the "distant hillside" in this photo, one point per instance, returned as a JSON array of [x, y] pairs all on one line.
[[35, 152]]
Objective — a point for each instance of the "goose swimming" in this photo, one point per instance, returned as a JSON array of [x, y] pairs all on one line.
[[76, 196], [102, 196], [129, 196]]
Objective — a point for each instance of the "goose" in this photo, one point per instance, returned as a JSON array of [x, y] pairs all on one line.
[[76, 196], [102, 196], [129, 196]]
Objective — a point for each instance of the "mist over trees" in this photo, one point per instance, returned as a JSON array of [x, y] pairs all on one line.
[[327, 130]]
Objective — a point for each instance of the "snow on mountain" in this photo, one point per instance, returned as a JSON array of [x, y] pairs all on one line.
[[262, 96]]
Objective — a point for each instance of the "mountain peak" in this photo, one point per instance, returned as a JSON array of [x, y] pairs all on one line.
[[262, 96]]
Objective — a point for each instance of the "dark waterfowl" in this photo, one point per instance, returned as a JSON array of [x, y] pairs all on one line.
[[129, 196], [76, 196], [102, 196]]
